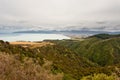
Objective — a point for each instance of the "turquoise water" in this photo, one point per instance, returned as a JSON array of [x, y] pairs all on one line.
[[32, 37]]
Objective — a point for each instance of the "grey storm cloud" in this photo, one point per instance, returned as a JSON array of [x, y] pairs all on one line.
[[59, 12]]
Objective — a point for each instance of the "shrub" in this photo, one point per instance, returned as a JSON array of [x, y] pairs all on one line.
[[100, 77], [13, 69]]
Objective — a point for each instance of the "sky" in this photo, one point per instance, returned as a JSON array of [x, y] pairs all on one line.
[[60, 14]]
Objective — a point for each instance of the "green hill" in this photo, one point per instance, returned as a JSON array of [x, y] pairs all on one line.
[[105, 36], [63, 59], [103, 51], [72, 59]]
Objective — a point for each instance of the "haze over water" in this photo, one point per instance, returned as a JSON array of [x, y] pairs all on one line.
[[31, 37]]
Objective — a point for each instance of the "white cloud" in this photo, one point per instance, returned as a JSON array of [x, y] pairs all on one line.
[[58, 12]]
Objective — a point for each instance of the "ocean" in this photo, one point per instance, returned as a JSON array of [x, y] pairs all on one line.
[[31, 37]]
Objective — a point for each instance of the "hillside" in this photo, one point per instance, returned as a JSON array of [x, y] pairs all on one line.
[[105, 36], [11, 68], [61, 58], [103, 49], [66, 59]]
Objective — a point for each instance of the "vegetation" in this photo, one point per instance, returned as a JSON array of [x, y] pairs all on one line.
[[101, 51], [13, 69], [94, 58], [105, 36], [100, 77]]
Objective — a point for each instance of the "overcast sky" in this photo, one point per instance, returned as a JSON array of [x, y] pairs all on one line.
[[60, 13]]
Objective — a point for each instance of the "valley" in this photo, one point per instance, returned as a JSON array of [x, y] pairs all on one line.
[[97, 55]]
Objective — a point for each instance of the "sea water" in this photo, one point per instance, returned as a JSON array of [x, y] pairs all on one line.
[[31, 37]]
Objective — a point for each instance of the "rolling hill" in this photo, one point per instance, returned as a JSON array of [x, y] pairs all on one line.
[[103, 49], [72, 59]]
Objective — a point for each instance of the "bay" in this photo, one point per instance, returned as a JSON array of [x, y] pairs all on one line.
[[31, 37]]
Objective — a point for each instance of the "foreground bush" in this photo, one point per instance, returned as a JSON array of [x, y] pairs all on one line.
[[100, 77], [13, 69]]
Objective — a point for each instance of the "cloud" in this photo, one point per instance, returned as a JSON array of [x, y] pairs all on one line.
[[59, 12]]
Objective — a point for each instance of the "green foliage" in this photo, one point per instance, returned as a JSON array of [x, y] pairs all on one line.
[[105, 36], [100, 77], [23, 52], [101, 51], [104, 52], [67, 77], [64, 60], [74, 58], [13, 69]]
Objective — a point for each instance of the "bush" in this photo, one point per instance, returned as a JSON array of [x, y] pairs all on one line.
[[13, 69], [100, 77], [67, 77]]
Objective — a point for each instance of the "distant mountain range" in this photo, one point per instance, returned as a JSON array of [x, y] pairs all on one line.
[[65, 30], [88, 32]]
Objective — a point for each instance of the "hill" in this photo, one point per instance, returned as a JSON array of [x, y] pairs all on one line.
[[103, 49], [61, 58], [67, 59], [105, 36]]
